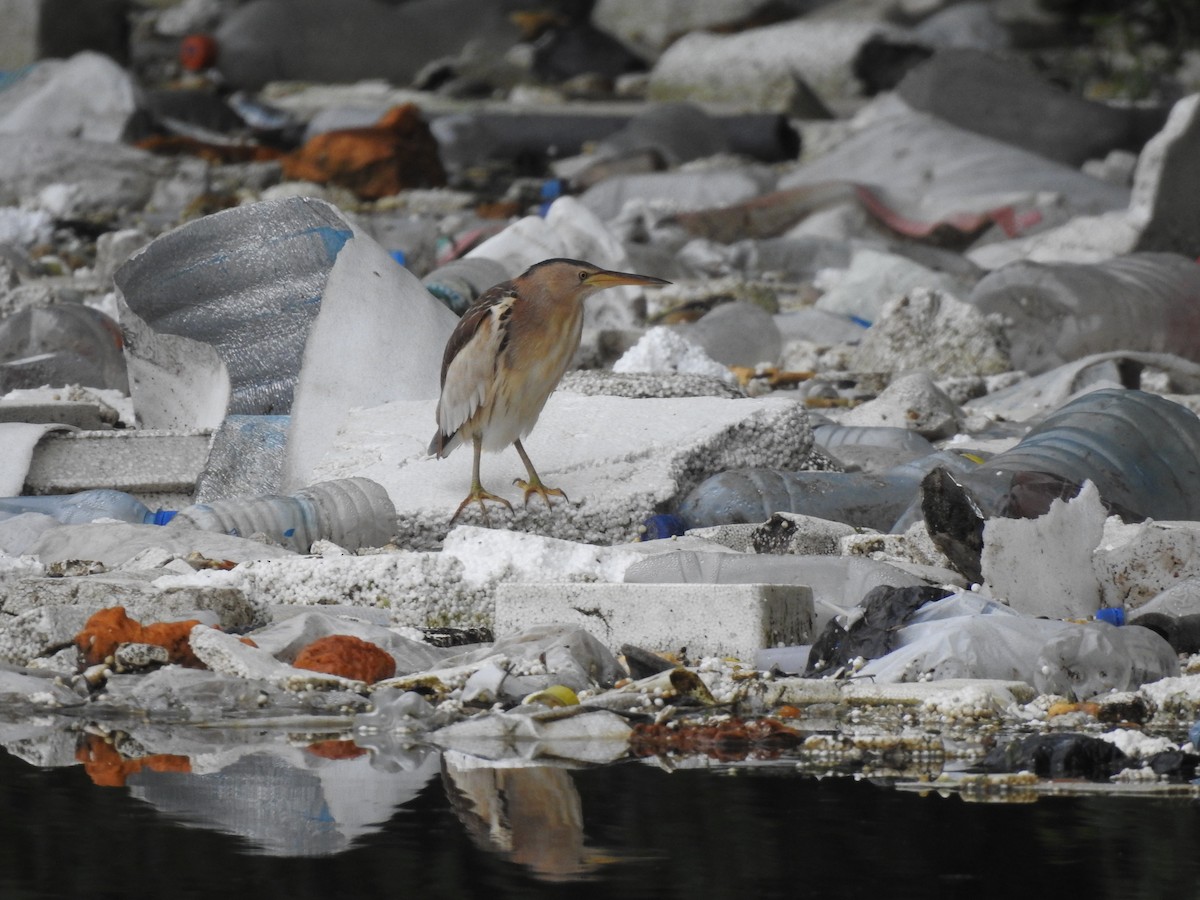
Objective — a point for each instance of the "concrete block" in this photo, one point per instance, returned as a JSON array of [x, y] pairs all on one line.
[[140, 462], [692, 619]]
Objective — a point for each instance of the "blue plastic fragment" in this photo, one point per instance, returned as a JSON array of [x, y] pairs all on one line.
[[661, 526], [334, 239], [1113, 615]]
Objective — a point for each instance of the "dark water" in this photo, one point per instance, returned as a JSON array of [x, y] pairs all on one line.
[[645, 833]]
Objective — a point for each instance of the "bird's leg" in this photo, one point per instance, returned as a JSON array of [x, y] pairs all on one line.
[[478, 494], [534, 484]]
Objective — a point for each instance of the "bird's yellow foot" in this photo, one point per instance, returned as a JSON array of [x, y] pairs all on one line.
[[478, 495], [535, 486]]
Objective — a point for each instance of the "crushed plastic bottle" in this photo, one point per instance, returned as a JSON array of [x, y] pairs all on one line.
[[1141, 451], [1055, 313], [877, 501], [87, 506], [352, 513]]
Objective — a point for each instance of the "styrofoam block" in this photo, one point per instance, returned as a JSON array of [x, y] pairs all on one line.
[[136, 461], [695, 619], [619, 460], [1043, 566]]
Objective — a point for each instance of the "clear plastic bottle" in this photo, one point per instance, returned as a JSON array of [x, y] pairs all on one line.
[[87, 506], [352, 513]]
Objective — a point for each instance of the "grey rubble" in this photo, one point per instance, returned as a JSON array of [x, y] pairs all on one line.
[[898, 258]]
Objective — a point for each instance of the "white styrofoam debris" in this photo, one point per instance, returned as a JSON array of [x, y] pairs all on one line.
[[934, 331], [910, 401], [1135, 563], [703, 620], [618, 460], [453, 588], [489, 555], [1136, 744], [663, 350], [419, 589], [1176, 696], [227, 655], [1043, 566]]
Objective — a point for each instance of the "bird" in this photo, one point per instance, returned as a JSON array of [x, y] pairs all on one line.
[[504, 359]]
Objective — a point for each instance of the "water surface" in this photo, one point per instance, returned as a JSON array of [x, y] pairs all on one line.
[[626, 831]]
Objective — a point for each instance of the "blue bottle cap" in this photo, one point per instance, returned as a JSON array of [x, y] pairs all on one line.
[[163, 516], [662, 526], [399, 256], [1113, 615]]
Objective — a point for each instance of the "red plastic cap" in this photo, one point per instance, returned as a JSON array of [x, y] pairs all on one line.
[[197, 52]]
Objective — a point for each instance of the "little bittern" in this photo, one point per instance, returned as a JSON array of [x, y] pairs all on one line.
[[507, 355]]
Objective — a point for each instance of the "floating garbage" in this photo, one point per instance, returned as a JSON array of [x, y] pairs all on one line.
[[1058, 756]]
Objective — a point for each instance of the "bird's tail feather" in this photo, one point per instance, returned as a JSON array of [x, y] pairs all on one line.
[[443, 444]]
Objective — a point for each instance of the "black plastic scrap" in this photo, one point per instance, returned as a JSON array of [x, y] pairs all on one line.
[[1058, 756], [1181, 632], [885, 610]]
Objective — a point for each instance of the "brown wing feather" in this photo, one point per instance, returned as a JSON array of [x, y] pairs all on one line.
[[468, 365]]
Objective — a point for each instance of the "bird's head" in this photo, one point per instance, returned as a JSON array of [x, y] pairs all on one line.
[[562, 279]]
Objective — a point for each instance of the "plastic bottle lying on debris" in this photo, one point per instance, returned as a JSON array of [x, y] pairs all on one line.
[[352, 513], [87, 506], [877, 501]]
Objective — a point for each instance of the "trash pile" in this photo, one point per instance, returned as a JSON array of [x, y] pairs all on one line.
[[902, 467]]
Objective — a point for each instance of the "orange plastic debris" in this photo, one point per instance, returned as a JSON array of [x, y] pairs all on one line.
[[111, 627], [335, 749], [108, 768], [396, 153], [1064, 708], [347, 656]]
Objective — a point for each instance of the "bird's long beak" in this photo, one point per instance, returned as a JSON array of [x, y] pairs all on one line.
[[606, 279]]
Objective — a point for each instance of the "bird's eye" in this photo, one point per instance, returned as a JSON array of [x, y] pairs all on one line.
[[583, 276]]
